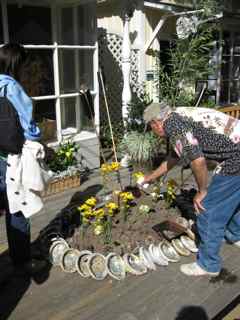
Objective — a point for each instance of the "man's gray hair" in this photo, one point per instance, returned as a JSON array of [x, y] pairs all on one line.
[[156, 111]]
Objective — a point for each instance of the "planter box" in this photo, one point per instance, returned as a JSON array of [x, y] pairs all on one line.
[[62, 184]]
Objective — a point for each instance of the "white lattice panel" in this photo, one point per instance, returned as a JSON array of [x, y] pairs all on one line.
[[110, 61]]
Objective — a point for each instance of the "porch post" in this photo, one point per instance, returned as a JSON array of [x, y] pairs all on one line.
[[126, 67]]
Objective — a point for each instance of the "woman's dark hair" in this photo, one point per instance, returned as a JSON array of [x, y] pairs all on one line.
[[12, 57]]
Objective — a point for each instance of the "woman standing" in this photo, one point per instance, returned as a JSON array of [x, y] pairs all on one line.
[[12, 59]]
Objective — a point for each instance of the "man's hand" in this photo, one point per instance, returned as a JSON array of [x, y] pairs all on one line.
[[147, 179], [197, 201]]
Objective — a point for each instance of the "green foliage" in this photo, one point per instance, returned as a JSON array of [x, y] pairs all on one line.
[[64, 157], [140, 146], [188, 62], [105, 134], [135, 113], [211, 7]]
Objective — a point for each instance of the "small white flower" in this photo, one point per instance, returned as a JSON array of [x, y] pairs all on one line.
[[143, 208]]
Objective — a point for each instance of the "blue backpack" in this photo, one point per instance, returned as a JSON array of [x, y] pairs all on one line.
[[11, 132]]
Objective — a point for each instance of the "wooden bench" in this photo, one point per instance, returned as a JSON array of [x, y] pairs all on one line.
[[233, 111]]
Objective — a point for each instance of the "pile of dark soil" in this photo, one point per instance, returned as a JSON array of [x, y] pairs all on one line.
[[127, 234]]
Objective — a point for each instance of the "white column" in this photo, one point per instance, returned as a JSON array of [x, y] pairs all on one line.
[[126, 68]]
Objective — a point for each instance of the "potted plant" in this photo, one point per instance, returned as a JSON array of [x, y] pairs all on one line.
[[66, 168]]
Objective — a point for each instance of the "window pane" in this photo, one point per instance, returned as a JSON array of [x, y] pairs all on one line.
[[234, 91], [86, 24], [45, 116], [65, 26], [1, 26], [87, 112], [74, 107], [29, 25], [76, 70], [236, 46], [236, 67], [38, 76], [224, 94], [68, 113], [225, 68], [84, 32], [226, 42]]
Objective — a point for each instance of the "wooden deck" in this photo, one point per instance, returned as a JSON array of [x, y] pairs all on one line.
[[158, 295]]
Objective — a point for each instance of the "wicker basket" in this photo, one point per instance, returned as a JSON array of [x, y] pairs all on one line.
[[62, 184]]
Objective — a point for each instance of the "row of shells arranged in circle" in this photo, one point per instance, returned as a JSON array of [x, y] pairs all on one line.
[[98, 266]]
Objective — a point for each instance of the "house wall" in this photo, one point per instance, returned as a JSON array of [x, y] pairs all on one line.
[[152, 18], [109, 18], [142, 25], [89, 150]]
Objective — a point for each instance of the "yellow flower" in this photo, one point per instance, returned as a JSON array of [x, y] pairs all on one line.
[[99, 213], [126, 196], [105, 168], [87, 213], [91, 202], [98, 230], [115, 166], [84, 207], [85, 220], [68, 154], [172, 183], [111, 206], [138, 175]]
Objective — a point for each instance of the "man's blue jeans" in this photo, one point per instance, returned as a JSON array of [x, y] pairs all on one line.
[[221, 219], [18, 227]]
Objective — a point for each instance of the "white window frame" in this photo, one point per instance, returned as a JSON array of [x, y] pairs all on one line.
[[231, 56], [57, 94]]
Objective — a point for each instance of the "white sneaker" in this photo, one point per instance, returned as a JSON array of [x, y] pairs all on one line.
[[237, 243], [193, 269]]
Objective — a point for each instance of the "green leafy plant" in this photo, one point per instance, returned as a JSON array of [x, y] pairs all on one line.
[[135, 112], [170, 194], [188, 62], [105, 134], [64, 157], [141, 147]]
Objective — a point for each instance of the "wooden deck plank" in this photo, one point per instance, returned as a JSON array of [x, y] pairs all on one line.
[[158, 294], [155, 296]]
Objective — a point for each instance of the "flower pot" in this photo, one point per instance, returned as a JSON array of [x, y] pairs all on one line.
[[62, 184]]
